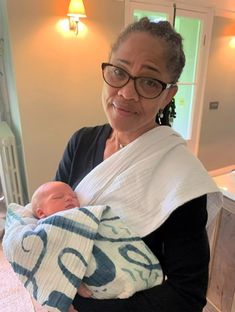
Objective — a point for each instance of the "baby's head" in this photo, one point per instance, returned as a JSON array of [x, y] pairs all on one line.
[[52, 197]]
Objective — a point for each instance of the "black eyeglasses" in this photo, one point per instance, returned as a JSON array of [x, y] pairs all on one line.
[[148, 88]]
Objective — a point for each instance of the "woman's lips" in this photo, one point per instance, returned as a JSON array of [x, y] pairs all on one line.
[[122, 110]]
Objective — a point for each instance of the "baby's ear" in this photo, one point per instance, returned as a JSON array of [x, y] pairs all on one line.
[[40, 213]]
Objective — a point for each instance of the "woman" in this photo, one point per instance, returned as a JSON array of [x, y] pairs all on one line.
[[139, 82]]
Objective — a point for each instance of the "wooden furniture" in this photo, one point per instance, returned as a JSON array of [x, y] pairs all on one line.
[[221, 291]]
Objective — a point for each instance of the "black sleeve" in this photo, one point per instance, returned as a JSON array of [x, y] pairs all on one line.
[[64, 169], [181, 244]]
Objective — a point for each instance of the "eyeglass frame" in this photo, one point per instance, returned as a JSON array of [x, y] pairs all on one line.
[[134, 78]]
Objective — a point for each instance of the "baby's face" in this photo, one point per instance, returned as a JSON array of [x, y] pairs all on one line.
[[59, 197]]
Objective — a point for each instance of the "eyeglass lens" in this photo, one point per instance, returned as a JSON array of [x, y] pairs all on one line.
[[118, 78]]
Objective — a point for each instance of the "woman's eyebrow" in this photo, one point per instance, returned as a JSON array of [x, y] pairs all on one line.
[[123, 61], [149, 67]]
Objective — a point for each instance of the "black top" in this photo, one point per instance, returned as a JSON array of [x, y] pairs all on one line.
[[180, 244]]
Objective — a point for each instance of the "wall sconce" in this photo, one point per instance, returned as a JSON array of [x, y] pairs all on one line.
[[76, 10], [232, 42], [229, 31]]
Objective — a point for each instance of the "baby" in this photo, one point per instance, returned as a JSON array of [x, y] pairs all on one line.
[[53, 197]]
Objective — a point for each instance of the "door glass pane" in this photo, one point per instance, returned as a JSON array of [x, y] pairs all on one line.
[[189, 28], [153, 16], [184, 114]]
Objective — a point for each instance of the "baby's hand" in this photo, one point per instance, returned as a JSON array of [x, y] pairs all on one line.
[[83, 291]]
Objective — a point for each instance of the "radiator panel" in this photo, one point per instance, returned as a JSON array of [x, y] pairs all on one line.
[[9, 168]]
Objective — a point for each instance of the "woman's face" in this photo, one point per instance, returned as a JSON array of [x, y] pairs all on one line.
[[140, 55]]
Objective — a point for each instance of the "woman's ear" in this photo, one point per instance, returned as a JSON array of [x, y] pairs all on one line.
[[170, 93]]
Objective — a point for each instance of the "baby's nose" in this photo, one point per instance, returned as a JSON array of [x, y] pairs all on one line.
[[68, 197]]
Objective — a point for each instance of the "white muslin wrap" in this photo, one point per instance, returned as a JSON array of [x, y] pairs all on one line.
[[148, 179], [54, 255]]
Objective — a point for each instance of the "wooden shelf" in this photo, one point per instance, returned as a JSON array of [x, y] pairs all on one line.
[[221, 290]]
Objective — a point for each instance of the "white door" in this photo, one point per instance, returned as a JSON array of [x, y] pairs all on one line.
[[194, 24]]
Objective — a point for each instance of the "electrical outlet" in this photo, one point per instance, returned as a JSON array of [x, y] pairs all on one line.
[[214, 105]]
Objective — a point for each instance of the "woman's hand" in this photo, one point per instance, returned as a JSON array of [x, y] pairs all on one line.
[[83, 291], [71, 309]]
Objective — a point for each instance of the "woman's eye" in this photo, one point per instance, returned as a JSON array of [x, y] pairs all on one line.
[[150, 83], [119, 73]]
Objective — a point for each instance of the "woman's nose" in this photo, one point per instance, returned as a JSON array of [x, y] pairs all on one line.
[[128, 91]]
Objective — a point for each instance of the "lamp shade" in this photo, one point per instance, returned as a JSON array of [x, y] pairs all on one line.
[[76, 7]]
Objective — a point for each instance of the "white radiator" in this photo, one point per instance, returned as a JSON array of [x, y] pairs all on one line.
[[9, 168]]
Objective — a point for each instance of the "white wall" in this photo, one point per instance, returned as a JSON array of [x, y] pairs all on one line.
[[58, 78], [217, 140]]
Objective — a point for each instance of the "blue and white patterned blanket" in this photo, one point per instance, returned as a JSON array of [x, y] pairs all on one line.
[[90, 244]]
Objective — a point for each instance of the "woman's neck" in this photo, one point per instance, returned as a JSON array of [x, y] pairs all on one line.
[[119, 140]]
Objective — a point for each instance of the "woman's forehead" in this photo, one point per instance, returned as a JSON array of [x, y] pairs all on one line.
[[142, 49], [141, 41]]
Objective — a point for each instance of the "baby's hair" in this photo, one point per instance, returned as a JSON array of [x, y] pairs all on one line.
[[38, 195]]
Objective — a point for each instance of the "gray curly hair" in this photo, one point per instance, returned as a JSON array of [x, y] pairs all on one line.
[[175, 57]]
